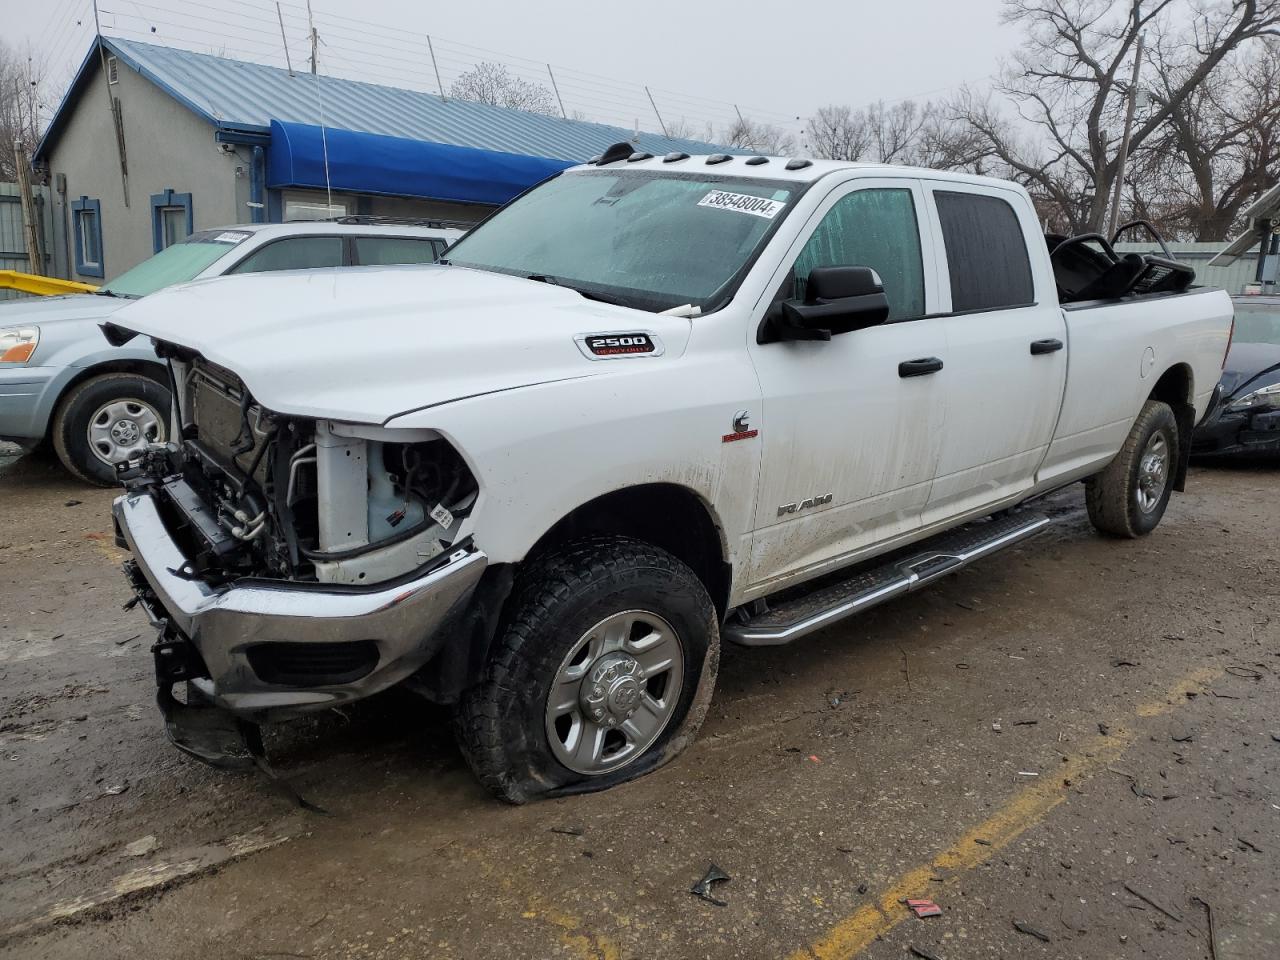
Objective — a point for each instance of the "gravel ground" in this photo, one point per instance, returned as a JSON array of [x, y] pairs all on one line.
[[1079, 735]]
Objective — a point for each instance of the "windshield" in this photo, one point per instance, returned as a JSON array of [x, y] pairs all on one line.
[[176, 264], [644, 238], [1257, 323]]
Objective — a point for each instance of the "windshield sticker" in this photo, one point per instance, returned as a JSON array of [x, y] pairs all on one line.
[[742, 203], [230, 236]]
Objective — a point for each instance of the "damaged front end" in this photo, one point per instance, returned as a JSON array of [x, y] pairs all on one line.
[[288, 564]]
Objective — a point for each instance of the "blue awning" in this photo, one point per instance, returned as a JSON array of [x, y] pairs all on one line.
[[394, 166]]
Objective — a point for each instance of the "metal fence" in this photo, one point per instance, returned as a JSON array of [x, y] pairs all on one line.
[[13, 246]]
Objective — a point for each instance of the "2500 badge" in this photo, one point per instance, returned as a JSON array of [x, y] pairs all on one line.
[[604, 346]]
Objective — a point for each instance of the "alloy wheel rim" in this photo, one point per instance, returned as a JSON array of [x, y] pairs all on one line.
[[614, 692], [1153, 472], [121, 429]]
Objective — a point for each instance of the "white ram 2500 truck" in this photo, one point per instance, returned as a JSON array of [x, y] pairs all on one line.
[[653, 404]]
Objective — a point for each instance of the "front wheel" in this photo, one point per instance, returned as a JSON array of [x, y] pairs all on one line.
[[1128, 498], [603, 673]]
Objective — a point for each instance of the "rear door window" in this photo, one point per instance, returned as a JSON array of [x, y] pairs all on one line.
[[372, 251], [986, 252], [294, 253]]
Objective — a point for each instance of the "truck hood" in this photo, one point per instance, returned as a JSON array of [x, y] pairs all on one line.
[[43, 311], [368, 344]]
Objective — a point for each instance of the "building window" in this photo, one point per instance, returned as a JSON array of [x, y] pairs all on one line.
[[113, 70], [86, 217], [171, 219], [301, 206]]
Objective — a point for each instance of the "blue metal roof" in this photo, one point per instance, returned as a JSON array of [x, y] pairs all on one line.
[[248, 96]]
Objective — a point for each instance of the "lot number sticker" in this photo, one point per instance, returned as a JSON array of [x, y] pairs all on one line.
[[742, 203]]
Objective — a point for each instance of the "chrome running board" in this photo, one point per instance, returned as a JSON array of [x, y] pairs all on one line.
[[943, 554]]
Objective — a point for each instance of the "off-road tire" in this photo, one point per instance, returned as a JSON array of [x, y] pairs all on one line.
[[1112, 494], [500, 721], [71, 420]]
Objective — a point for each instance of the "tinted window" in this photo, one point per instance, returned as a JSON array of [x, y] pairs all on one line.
[[296, 253], [986, 252], [871, 228], [379, 250]]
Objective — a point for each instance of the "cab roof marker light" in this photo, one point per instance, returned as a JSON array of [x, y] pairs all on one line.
[[798, 164], [639, 155], [618, 151], [673, 157], [718, 158], [756, 161]]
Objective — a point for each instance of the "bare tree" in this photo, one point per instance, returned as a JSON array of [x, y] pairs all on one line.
[[492, 83], [917, 134], [684, 129], [1219, 148], [748, 134], [19, 109], [1069, 80], [838, 132]]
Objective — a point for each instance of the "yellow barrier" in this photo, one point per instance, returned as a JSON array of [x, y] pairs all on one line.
[[41, 286]]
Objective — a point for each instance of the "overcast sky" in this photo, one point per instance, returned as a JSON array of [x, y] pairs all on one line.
[[777, 61]]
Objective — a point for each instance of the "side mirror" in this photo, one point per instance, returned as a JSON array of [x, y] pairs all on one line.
[[837, 300]]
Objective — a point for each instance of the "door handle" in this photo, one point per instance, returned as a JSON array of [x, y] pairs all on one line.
[[919, 368], [1051, 345]]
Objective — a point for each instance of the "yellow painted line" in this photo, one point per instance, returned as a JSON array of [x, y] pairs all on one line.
[[573, 936], [1024, 810], [571, 931]]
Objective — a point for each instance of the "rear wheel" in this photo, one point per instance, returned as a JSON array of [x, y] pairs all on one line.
[[603, 672], [107, 420], [1128, 498]]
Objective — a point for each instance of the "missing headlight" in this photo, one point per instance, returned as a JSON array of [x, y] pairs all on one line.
[[412, 509]]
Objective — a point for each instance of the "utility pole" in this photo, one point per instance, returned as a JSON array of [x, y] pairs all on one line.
[[315, 37], [283, 39], [556, 88], [30, 214], [655, 112], [1123, 158], [436, 67]]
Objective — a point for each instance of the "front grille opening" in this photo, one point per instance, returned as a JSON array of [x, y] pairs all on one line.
[[313, 664]]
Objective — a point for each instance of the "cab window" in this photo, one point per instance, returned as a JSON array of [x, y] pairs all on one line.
[[874, 228], [986, 252]]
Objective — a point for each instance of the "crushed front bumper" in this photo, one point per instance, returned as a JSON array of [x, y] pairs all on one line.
[[266, 650]]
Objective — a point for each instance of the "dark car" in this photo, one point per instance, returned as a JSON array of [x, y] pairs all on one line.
[[1246, 419]]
